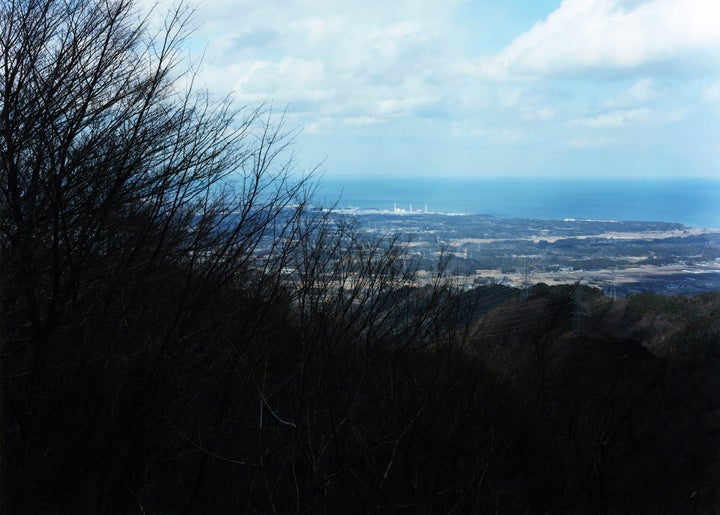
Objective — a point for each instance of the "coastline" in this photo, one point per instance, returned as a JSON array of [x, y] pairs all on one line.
[[692, 202]]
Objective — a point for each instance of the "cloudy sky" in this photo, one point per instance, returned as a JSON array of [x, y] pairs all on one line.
[[484, 88]]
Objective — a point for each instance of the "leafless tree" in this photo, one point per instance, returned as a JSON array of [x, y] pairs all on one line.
[[130, 201], [173, 311]]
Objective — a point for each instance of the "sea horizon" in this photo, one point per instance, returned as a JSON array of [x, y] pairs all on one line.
[[692, 202]]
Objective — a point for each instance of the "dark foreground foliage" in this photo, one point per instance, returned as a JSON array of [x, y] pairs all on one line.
[[174, 345], [290, 414]]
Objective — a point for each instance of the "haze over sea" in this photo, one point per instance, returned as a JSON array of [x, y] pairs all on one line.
[[693, 202]]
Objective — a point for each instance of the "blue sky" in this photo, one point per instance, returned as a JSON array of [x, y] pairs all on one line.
[[511, 88]]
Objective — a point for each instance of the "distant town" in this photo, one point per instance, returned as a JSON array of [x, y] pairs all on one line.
[[619, 257]]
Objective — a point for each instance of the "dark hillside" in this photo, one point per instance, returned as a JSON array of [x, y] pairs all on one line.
[[625, 417]]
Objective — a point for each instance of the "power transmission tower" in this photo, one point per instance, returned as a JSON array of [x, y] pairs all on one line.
[[525, 285], [612, 287]]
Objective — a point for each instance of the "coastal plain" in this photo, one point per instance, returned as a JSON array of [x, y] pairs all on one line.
[[619, 257]]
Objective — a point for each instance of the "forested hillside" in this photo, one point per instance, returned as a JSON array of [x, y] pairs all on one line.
[[181, 333]]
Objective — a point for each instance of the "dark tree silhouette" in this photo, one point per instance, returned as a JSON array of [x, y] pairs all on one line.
[[179, 329], [133, 204]]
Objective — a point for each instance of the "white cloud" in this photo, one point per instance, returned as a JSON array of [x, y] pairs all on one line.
[[544, 113], [586, 35], [711, 95], [360, 120], [641, 92], [624, 118], [471, 130], [353, 59], [587, 142], [348, 60], [413, 70], [403, 105]]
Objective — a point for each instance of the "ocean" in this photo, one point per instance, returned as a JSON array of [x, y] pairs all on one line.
[[693, 202]]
